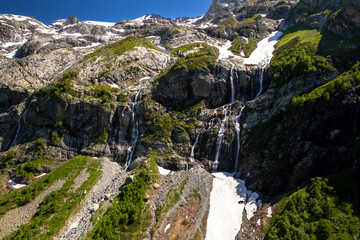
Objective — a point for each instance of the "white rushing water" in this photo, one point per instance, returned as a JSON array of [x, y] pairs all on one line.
[[220, 138], [192, 154], [261, 80], [134, 129], [238, 139], [232, 99], [208, 125]]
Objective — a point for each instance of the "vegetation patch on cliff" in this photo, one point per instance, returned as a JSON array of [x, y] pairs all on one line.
[[295, 56], [57, 206], [128, 217], [239, 45], [127, 44], [326, 209], [329, 90], [202, 58]]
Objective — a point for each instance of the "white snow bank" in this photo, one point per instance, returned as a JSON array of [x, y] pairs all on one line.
[[264, 52], [164, 171], [251, 205], [74, 224], [224, 51], [114, 85], [15, 185], [89, 46], [41, 175], [167, 227], [207, 25], [269, 213], [226, 207], [10, 44], [143, 18], [14, 17], [105, 24]]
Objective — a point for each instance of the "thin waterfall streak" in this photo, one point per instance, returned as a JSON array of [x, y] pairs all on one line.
[[261, 80], [208, 125], [238, 139], [134, 130], [192, 154], [219, 139], [232, 99]]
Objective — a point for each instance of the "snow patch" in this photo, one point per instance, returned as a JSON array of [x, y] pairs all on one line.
[[14, 17], [105, 24], [41, 175], [143, 18], [89, 46], [15, 185], [269, 212], [226, 207], [224, 51], [258, 222], [74, 224], [114, 85], [207, 25], [264, 51], [167, 227], [251, 205], [10, 44], [164, 171]]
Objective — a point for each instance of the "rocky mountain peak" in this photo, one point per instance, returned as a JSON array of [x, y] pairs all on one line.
[[223, 6], [71, 20]]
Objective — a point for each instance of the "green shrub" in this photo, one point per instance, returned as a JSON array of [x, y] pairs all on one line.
[[227, 22], [238, 45], [319, 211], [102, 138], [7, 157], [39, 145], [250, 47]]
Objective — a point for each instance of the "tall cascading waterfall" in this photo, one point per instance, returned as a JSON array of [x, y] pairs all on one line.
[[261, 81], [232, 99], [238, 139], [192, 154], [20, 124], [208, 125], [220, 139], [223, 121], [134, 129]]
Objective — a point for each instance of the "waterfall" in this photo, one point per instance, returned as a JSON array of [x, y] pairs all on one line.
[[232, 99], [134, 129], [20, 119], [219, 139], [192, 154], [238, 135], [208, 125], [261, 80]]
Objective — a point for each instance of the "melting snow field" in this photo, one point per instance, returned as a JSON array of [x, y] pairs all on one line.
[[264, 52], [225, 52], [16, 185], [227, 203], [164, 171]]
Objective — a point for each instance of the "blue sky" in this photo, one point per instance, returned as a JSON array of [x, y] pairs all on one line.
[[103, 10]]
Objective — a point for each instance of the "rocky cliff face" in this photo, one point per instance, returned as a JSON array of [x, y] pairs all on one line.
[[192, 95]]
